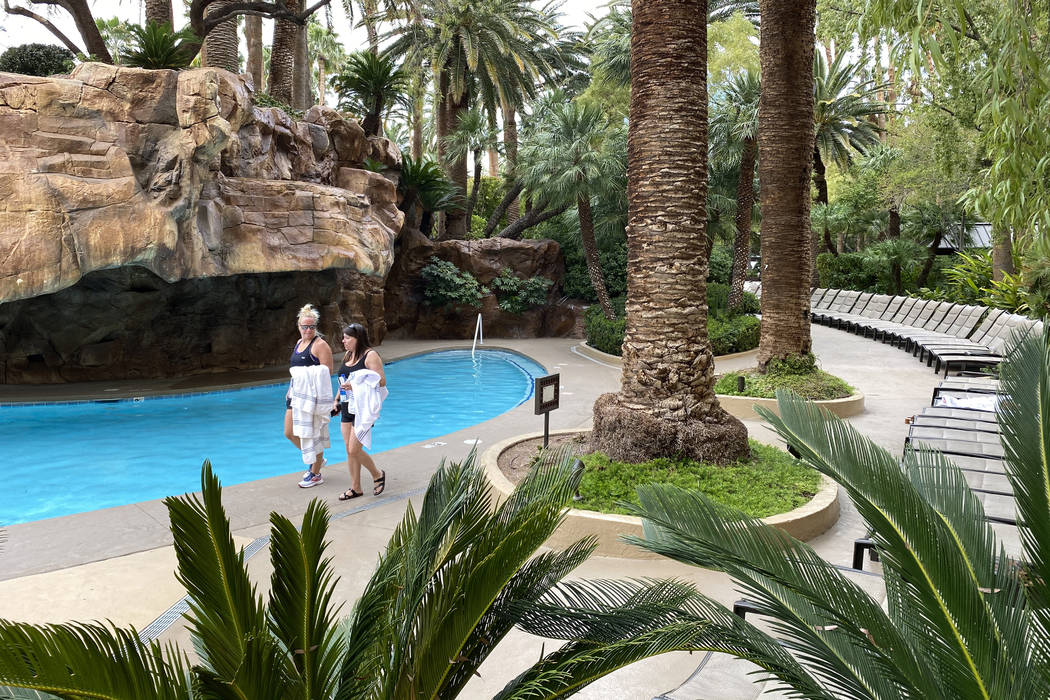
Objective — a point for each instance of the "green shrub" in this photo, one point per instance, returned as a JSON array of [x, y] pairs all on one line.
[[490, 194], [749, 304], [517, 295], [720, 266], [717, 297], [731, 334], [794, 364], [263, 99], [612, 256], [477, 227], [603, 334], [727, 334], [446, 287], [847, 271], [36, 59]]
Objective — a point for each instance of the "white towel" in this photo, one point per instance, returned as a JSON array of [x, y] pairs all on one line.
[[311, 394], [367, 401]]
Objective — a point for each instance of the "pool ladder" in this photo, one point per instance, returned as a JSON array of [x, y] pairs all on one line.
[[479, 337]]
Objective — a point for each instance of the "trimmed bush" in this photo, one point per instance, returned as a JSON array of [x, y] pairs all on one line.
[[731, 334], [447, 287], [847, 271], [603, 334], [517, 295], [37, 59], [720, 266]]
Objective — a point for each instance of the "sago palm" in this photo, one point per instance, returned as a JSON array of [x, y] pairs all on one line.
[[368, 85], [963, 619], [454, 580]]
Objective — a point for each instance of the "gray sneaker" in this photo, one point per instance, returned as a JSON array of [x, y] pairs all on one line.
[[310, 479]]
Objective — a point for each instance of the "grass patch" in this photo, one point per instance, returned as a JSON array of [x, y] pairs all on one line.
[[816, 385], [772, 482]]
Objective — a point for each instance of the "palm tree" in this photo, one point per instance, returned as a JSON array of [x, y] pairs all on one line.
[[845, 113], [369, 85], [159, 11], [282, 56], [454, 580], [964, 619], [220, 46], [474, 135], [254, 42], [785, 156], [327, 52], [666, 405], [564, 162], [425, 190], [735, 124], [477, 51]]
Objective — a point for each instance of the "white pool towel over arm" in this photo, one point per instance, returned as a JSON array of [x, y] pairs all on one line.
[[311, 395], [368, 399]]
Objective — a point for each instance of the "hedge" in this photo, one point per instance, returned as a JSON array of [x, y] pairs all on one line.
[[727, 334]]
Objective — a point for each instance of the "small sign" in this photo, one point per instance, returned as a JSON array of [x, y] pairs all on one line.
[[547, 393]]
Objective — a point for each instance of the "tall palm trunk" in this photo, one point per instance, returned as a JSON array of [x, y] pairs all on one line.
[[301, 81], [282, 57], [369, 9], [1002, 253], [456, 221], [510, 146], [220, 46], [785, 155], [820, 181], [475, 188], [590, 254], [927, 265], [321, 76], [666, 404], [159, 11], [745, 200], [253, 36]]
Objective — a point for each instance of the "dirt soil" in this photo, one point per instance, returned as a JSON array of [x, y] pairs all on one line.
[[516, 461]]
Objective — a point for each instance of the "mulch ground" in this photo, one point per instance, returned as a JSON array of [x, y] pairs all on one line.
[[516, 461]]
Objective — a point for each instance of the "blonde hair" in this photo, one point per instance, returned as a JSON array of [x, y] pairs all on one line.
[[309, 311]]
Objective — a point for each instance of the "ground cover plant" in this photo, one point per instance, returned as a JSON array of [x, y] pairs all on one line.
[[798, 375], [771, 482]]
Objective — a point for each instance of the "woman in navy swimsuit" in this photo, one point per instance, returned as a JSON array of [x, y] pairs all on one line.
[[359, 355], [306, 353]]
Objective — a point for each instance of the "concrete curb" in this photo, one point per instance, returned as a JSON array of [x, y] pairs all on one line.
[[743, 407], [803, 523], [605, 357]]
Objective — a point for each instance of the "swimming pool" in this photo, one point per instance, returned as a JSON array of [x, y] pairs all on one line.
[[65, 458]]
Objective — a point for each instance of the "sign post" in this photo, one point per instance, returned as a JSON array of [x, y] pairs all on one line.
[[548, 391]]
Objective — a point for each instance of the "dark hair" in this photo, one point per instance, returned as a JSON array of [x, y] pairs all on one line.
[[360, 333]]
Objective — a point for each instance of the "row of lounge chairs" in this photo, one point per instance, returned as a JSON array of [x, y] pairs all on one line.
[[942, 334]]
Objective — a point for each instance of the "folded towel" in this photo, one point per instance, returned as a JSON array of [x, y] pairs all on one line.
[[367, 401], [311, 394]]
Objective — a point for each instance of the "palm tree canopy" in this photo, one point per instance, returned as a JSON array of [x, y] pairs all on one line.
[[569, 153], [844, 108], [734, 115]]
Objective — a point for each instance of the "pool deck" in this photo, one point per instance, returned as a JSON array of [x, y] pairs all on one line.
[[117, 564]]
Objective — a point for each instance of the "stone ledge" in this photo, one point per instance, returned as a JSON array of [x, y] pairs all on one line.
[[803, 523], [743, 407], [605, 357]]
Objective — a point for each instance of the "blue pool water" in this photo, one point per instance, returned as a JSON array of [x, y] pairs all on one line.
[[59, 459]]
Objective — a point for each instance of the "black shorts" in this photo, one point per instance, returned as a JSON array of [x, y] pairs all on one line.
[[344, 414]]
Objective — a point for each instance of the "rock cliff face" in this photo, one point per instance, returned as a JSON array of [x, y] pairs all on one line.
[[122, 180]]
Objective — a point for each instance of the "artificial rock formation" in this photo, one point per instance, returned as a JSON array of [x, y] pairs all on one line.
[[179, 174]]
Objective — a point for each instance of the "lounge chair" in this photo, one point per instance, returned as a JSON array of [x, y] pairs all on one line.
[[972, 358], [989, 328], [963, 325]]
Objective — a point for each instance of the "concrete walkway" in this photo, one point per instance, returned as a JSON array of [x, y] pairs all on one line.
[[116, 564]]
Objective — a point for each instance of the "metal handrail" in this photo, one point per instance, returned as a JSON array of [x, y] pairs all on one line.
[[479, 337]]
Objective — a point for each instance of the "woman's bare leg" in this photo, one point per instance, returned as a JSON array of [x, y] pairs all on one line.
[[356, 457]]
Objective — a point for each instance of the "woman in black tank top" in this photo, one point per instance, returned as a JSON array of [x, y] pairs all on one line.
[[310, 350], [359, 355]]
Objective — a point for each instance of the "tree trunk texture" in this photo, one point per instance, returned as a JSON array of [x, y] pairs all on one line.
[[301, 81], [220, 46], [282, 57], [85, 23], [511, 195], [931, 255], [1002, 253], [745, 200], [159, 11], [510, 146], [528, 220], [321, 78], [590, 254], [785, 156], [369, 8], [821, 183], [666, 405], [456, 222], [840, 242], [474, 190], [253, 36]]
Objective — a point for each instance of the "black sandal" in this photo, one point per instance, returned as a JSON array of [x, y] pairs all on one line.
[[350, 493], [380, 484]]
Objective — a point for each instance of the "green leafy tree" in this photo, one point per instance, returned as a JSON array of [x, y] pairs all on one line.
[[964, 619], [36, 59], [473, 135], [369, 85], [116, 33], [326, 51], [454, 579]]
